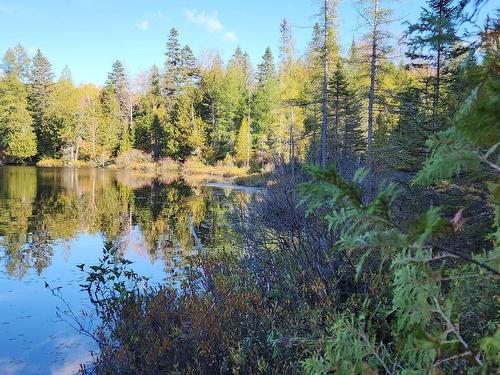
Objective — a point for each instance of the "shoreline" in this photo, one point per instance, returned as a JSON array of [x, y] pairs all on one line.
[[208, 174]]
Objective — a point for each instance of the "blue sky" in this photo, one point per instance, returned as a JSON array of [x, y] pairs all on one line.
[[88, 35]]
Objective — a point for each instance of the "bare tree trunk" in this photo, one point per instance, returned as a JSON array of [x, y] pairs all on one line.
[[292, 143], [249, 137], [438, 74], [336, 138], [131, 116], [324, 120], [373, 73], [94, 134]]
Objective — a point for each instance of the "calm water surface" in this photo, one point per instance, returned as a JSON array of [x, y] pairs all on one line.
[[53, 219]]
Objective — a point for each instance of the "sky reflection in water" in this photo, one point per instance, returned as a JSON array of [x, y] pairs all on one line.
[[53, 219]]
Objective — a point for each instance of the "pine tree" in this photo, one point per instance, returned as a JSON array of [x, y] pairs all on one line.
[[311, 94], [66, 74], [216, 110], [345, 109], [17, 138], [173, 66], [237, 84], [292, 78], [266, 69], [117, 82], [149, 130], [188, 68], [433, 42], [40, 84], [327, 15], [183, 123], [264, 102]]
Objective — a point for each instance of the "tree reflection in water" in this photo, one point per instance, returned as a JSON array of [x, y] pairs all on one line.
[[144, 213]]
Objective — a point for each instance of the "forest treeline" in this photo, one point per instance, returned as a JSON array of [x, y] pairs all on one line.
[[316, 105]]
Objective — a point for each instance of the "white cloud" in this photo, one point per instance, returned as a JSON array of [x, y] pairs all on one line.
[[230, 36], [143, 25], [210, 22]]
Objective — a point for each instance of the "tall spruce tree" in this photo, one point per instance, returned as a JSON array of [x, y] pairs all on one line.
[[432, 43], [117, 82], [264, 102], [40, 84], [345, 108], [173, 66]]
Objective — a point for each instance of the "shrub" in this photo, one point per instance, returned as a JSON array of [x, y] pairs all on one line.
[[49, 162], [168, 165], [194, 165], [135, 159]]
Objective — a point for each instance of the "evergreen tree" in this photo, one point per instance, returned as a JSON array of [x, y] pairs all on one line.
[[173, 66], [266, 69], [117, 82], [17, 138], [237, 83], [184, 121], [188, 68], [328, 49], [348, 140], [40, 84], [264, 104], [149, 130], [110, 125], [66, 74], [216, 110], [292, 78], [433, 42], [311, 93]]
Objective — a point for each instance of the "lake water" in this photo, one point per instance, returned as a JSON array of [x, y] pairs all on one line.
[[54, 219]]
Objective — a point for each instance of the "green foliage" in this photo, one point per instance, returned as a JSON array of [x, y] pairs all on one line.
[[425, 330], [17, 139], [17, 62], [39, 90], [243, 144], [462, 148]]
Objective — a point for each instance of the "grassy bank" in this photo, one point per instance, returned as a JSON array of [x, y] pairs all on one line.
[[138, 161]]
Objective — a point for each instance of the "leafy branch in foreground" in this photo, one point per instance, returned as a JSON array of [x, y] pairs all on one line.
[[422, 306]]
